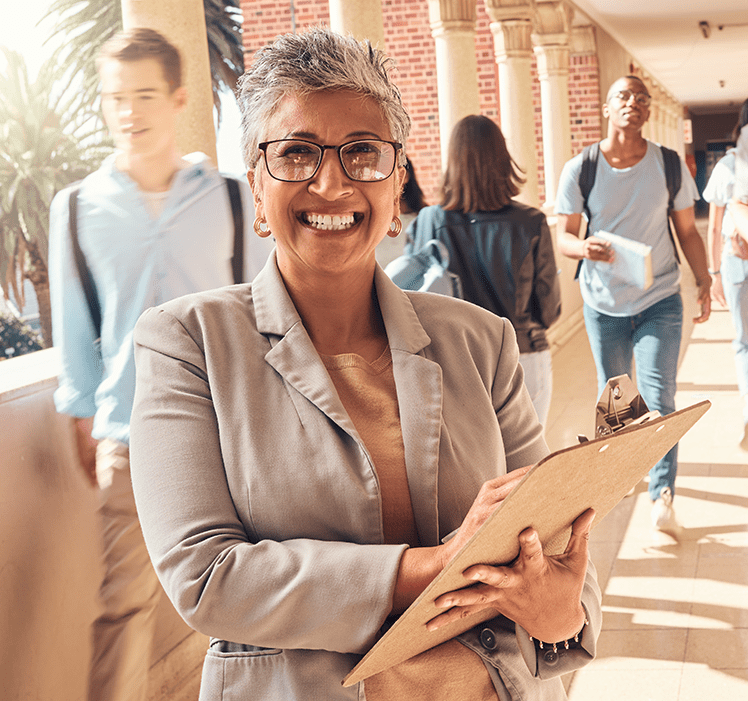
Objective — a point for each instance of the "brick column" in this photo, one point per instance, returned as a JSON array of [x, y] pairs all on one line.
[[182, 22], [453, 28], [361, 18], [511, 26], [551, 39]]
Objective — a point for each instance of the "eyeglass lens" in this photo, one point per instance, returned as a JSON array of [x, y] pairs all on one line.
[[366, 161], [641, 97]]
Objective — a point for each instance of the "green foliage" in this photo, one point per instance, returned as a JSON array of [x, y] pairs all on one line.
[[49, 137], [85, 25], [16, 338]]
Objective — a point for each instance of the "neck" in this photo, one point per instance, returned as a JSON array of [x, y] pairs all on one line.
[[153, 173], [340, 313], [625, 140]]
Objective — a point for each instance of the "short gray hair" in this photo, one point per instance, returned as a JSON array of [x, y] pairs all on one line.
[[314, 61]]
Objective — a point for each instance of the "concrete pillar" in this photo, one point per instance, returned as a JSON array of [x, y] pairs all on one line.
[[361, 18], [453, 29], [511, 26], [182, 22], [553, 21]]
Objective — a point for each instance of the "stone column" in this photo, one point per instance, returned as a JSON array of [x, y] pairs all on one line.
[[511, 26], [553, 21], [453, 29], [182, 22], [361, 18]]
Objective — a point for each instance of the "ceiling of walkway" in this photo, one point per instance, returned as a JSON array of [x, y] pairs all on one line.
[[707, 74]]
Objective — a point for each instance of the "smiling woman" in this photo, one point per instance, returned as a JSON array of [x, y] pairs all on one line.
[[302, 445]]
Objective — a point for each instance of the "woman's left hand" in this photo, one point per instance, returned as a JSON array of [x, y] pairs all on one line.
[[541, 593]]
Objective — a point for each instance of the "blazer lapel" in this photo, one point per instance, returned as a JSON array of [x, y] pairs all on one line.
[[419, 395], [292, 354]]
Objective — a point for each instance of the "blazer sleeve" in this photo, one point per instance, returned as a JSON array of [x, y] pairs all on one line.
[[299, 593]]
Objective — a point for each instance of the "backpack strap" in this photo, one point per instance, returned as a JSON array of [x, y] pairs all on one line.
[[84, 272], [237, 213], [587, 175], [673, 181]]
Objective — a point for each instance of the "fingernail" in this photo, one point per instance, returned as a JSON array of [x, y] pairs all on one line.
[[445, 604]]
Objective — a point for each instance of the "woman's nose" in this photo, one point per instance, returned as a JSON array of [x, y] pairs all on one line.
[[330, 181]]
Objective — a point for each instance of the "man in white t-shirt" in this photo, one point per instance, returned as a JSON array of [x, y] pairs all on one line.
[[630, 198]]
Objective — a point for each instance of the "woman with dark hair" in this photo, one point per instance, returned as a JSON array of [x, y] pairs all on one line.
[[411, 202], [501, 249], [728, 256]]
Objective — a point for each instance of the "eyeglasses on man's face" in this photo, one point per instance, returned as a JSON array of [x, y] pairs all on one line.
[[641, 98], [296, 160]]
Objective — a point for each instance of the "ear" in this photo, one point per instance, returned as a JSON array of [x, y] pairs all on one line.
[[180, 98], [606, 111], [254, 184]]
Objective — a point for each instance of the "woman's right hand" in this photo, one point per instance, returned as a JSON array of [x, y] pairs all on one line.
[[597, 249], [419, 566], [491, 494]]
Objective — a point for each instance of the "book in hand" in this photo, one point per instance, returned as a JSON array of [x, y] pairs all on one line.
[[632, 261]]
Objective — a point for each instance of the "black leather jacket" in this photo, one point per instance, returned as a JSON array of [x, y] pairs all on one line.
[[505, 261]]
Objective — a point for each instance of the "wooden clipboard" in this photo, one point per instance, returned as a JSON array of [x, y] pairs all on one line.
[[596, 473]]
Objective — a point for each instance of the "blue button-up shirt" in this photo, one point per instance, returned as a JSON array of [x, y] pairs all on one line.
[[137, 261]]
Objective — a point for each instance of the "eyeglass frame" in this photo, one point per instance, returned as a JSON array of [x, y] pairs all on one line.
[[635, 95], [326, 147]]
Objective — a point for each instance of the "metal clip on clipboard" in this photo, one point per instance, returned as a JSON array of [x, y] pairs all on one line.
[[620, 406]]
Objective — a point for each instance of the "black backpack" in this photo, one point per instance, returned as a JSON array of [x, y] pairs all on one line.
[[588, 173], [84, 272]]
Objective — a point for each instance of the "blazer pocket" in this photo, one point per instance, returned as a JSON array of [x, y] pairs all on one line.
[[236, 672]]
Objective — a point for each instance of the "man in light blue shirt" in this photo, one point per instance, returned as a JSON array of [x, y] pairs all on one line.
[[630, 198], [152, 226]]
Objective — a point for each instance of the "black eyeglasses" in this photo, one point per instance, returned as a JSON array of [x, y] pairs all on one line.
[[641, 97], [296, 160]]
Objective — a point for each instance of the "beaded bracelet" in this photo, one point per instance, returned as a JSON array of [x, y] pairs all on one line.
[[565, 643]]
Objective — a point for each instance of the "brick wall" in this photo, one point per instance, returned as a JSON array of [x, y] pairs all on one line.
[[584, 101], [409, 43]]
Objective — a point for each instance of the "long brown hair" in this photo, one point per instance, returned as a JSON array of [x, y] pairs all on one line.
[[481, 176]]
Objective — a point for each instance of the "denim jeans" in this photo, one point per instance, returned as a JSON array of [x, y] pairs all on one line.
[[735, 284], [652, 339]]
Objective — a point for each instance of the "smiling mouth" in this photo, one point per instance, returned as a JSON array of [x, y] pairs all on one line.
[[330, 222]]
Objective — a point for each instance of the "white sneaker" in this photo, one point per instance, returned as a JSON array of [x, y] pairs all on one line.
[[663, 515]]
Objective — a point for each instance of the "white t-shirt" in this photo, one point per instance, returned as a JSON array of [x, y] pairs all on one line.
[[630, 202], [719, 189]]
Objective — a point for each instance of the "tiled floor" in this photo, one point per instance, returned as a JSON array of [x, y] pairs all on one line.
[[675, 622]]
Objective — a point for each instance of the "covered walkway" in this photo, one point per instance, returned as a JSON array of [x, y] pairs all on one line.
[[675, 625]]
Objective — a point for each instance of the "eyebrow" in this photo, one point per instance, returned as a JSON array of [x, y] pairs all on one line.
[[310, 136], [137, 92]]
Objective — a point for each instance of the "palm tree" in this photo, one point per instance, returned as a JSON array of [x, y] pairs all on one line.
[[86, 24], [49, 137]]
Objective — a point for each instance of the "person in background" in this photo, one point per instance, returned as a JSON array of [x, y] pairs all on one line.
[[502, 250], [152, 225], [728, 259], [624, 322], [411, 202], [302, 445]]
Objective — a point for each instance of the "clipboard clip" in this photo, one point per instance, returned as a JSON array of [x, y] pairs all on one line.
[[620, 406]]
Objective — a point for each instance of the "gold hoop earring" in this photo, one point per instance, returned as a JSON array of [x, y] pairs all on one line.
[[258, 227], [396, 226]]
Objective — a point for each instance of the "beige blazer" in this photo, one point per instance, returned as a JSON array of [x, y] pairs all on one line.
[[259, 503]]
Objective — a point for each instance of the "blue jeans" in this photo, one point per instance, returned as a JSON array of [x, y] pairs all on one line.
[[735, 284], [652, 339]]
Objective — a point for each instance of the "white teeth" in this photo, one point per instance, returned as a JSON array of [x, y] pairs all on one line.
[[330, 222]]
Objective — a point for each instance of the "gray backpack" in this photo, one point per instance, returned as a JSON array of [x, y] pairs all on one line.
[[425, 270]]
